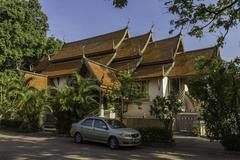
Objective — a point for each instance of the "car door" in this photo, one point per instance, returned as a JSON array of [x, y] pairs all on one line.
[[86, 128], [101, 131]]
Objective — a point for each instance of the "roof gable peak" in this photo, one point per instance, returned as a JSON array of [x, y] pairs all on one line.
[[93, 37], [202, 49]]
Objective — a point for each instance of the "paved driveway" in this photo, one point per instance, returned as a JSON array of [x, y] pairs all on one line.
[[35, 146]]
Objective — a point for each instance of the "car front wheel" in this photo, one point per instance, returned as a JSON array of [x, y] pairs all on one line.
[[78, 138], [113, 143]]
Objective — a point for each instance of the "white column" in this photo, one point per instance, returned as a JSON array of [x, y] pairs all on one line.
[[165, 86], [101, 110]]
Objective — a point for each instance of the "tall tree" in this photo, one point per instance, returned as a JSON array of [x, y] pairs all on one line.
[[23, 33], [198, 16], [127, 92], [217, 87], [20, 102]]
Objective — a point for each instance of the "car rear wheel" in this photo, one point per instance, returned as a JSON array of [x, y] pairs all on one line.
[[78, 138], [113, 143]]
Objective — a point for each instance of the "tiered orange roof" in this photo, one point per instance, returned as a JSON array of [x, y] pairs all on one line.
[[38, 81], [161, 51], [185, 62], [141, 55], [103, 59], [91, 46], [44, 62], [151, 71], [62, 69], [129, 64], [105, 75], [132, 47]]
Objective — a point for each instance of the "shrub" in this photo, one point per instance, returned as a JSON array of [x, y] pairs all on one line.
[[22, 106], [63, 122], [216, 88], [155, 135], [10, 123], [32, 120], [231, 142], [165, 108], [74, 101]]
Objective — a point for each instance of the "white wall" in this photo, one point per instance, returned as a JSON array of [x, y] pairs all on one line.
[[141, 111], [59, 82], [156, 87], [166, 86]]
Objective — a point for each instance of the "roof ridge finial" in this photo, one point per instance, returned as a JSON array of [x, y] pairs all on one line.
[[128, 22], [83, 51], [152, 27]]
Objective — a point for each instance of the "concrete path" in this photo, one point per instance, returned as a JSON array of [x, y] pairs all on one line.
[[16, 146]]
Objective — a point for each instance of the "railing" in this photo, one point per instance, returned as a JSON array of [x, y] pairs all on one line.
[[181, 93]]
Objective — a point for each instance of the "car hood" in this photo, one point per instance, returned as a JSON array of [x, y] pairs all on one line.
[[127, 130]]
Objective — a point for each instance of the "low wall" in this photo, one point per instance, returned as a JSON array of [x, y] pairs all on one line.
[[142, 122]]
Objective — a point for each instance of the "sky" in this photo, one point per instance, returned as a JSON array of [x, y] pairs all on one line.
[[71, 20]]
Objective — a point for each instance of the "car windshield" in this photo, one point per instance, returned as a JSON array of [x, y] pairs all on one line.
[[115, 124]]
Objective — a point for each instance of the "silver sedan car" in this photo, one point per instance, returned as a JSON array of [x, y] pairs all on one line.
[[103, 130]]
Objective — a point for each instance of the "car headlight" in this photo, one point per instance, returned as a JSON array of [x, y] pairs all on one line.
[[125, 135]]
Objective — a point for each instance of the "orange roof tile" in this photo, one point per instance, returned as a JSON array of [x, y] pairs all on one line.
[[44, 62], [126, 64], [62, 69], [91, 45], [151, 71], [103, 59], [185, 62], [104, 74], [132, 46], [38, 81], [160, 51]]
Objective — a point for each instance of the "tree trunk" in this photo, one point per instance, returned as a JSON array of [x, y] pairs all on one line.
[[168, 125], [121, 114]]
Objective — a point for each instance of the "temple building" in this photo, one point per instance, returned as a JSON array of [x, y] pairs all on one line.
[[161, 66]]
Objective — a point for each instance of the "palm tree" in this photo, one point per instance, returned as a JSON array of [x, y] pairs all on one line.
[[74, 101], [20, 102]]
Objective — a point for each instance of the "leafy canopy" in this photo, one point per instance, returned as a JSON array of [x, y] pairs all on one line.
[[81, 96], [200, 16], [165, 108], [20, 102], [74, 101], [23, 34], [217, 88], [127, 92]]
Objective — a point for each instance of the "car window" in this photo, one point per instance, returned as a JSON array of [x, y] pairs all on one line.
[[115, 124], [99, 124], [87, 122]]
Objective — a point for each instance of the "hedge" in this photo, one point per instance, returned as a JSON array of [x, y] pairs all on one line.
[[231, 142], [155, 135], [10, 123]]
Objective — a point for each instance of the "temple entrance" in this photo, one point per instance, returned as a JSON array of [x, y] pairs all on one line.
[[186, 120]]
